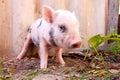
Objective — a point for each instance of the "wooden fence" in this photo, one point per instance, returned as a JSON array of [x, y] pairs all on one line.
[[17, 15]]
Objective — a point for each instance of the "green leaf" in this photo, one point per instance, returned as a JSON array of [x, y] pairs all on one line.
[[118, 44], [95, 41]]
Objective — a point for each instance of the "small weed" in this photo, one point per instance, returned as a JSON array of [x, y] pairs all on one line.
[[113, 48], [80, 70], [95, 75], [37, 72], [2, 76], [95, 41]]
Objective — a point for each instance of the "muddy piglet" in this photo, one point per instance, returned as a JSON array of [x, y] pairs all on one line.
[[56, 29]]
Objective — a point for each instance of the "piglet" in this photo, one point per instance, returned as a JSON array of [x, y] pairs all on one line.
[[56, 29]]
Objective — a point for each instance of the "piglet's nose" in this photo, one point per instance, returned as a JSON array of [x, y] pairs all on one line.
[[76, 44]]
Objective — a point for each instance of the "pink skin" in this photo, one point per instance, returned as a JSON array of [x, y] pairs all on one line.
[[41, 35]]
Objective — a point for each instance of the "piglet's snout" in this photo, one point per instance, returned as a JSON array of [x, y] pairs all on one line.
[[76, 44]]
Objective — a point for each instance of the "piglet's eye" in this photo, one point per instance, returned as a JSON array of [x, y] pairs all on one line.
[[62, 28]]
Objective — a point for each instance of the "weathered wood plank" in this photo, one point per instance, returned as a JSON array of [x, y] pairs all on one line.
[[119, 25], [113, 8]]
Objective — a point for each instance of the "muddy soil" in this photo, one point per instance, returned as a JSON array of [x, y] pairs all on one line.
[[76, 68]]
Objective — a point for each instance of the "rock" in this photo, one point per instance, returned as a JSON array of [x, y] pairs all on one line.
[[49, 77], [114, 71]]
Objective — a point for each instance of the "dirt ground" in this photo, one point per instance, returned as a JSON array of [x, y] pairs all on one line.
[[76, 68]]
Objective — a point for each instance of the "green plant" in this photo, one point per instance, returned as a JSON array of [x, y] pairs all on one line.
[[98, 39], [113, 48]]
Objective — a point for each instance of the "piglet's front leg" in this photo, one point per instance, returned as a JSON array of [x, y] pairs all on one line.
[[43, 53], [59, 57]]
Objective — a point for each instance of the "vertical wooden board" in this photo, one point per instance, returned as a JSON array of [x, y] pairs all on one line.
[[5, 28], [113, 7], [119, 19], [37, 9], [92, 19], [56, 4], [2, 23], [23, 15], [119, 25]]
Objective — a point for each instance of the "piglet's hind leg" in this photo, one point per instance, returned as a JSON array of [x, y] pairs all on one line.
[[25, 48]]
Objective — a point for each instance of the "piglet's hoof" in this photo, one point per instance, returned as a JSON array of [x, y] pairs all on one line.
[[18, 58], [61, 65]]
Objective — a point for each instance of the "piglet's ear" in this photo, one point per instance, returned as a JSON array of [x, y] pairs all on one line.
[[48, 13]]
